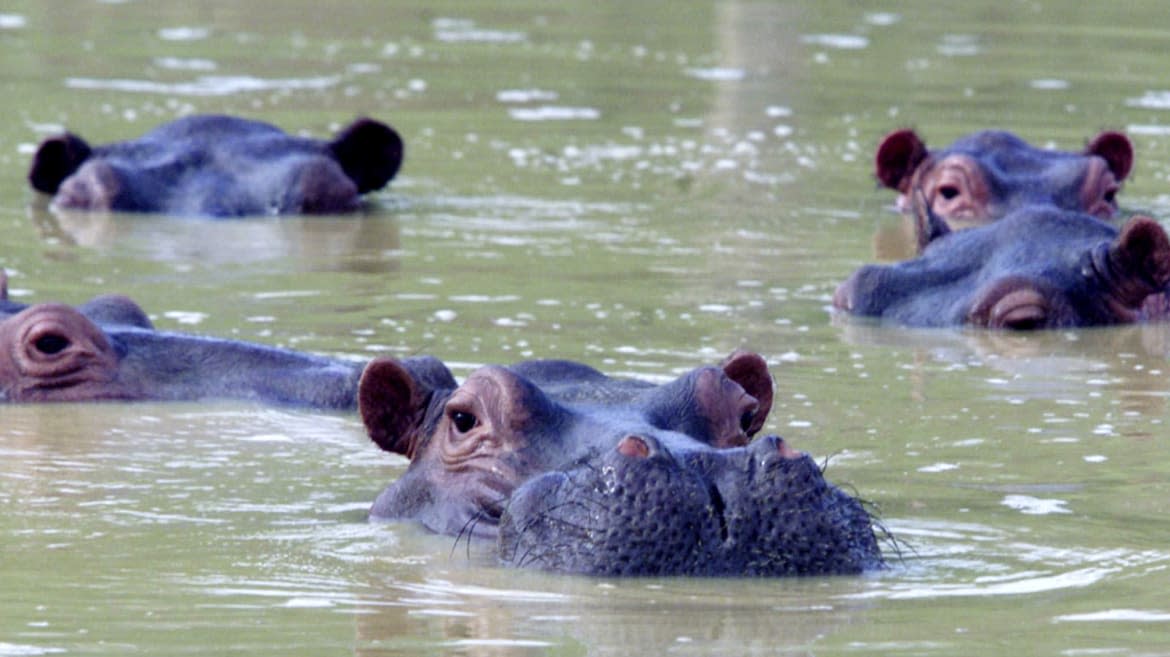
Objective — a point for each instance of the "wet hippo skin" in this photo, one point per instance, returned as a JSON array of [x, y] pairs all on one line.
[[569, 470], [987, 175], [219, 166], [107, 350], [1038, 267]]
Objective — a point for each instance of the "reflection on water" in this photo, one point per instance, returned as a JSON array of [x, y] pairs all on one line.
[[311, 243], [639, 188]]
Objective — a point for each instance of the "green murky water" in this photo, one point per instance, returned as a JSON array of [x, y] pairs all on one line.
[[641, 186]]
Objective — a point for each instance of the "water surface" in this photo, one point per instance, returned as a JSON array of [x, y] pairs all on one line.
[[641, 187]]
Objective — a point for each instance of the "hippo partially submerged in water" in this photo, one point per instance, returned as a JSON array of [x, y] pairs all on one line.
[[987, 175], [219, 166], [1038, 267], [107, 349], [570, 470]]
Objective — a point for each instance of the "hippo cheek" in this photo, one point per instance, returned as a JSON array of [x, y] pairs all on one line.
[[51, 352], [843, 295], [95, 186], [430, 497], [320, 187]]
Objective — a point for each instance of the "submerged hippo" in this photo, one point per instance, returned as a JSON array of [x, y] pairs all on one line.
[[1036, 268], [570, 470], [219, 166], [107, 349], [987, 175]]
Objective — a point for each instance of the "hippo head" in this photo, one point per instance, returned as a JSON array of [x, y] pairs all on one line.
[[219, 166], [984, 176], [1036, 268], [570, 470], [107, 349]]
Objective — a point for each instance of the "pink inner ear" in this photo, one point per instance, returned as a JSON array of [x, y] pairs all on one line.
[[1117, 151], [389, 406], [750, 371], [897, 157]]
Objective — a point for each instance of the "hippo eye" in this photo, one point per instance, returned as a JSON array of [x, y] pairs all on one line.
[[1110, 195], [51, 343], [745, 420], [463, 421], [948, 192]]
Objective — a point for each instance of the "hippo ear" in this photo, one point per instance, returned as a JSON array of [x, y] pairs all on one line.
[[898, 156], [1141, 254], [750, 371], [1117, 151], [393, 397], [370, 153], [56, 159]]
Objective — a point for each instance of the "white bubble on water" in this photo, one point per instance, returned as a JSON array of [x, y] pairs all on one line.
[[1030, 505], [184, 33], [12, 21]]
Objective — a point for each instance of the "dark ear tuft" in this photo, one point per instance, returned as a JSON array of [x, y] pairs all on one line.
[[391, 406], [750, 371], [370, 153], [56, 159], [1117, 151], [897, 157]]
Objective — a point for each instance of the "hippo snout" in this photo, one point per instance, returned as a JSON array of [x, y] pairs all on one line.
[[641, 509]]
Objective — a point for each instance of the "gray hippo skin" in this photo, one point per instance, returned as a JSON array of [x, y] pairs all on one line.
[[569, 470], [987, 175], [1036, 268], [106, 350], [219, 166]]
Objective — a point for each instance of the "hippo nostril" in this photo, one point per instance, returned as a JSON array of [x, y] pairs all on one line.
[[633, 447], [718, 507], [51, 343]]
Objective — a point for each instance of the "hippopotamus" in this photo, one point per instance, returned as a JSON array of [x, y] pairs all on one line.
[[219, 166], [986, 175], [107, 349], [569, 470], [1038, 267]]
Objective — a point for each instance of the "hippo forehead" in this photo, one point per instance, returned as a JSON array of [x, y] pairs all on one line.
[[1004, 156], [582, 410]]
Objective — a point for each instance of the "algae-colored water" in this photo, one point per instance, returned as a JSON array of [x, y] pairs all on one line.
[[641, 186]]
